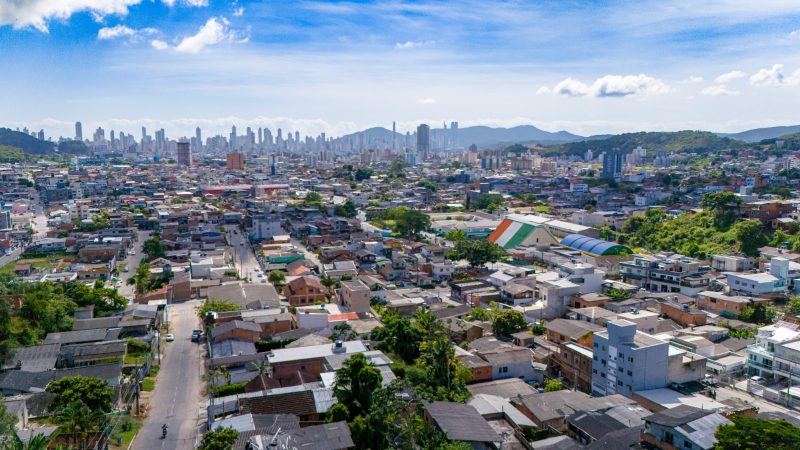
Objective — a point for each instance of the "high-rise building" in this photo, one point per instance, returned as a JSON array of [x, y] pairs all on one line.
[[78, 131], [612, 164], [40, 135], [232, 140], [423, 141], [454, 134], [198, 135], [184, 154], [235, 161]]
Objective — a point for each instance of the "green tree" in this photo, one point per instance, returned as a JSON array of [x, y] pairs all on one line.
[[346, 209], [757, 434], [507, 322], [8, 421], [477, 251], [758, 314], [77, 419], [356, 381], [35, 442], [363, 173], [277, 278], [793, 307], [337, 413], [216, 306], [724, 205], [428, 184], [312, 199], [619, 294], [398, 335], [220, 439], [92, 392], [750, 235], [553, 385], [153, 248], [456, 235], [487, 201], [406, 222]]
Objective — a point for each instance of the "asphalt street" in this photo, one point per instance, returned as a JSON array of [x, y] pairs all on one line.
[[176, 399]]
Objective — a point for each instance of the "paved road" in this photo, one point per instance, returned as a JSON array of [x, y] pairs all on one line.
[[243, 257], [132, 262], [176, 400], [309, 256]]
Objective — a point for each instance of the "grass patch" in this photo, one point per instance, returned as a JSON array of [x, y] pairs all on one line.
[[125, 433], [46, 262], [148, 384], [135, 359], [154, 368]]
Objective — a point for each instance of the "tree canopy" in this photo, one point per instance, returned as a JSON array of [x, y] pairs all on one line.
[[477, 251], [757, 434]]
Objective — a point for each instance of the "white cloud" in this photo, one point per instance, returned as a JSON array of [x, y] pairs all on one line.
[[159, 45], [794, 34], [426, 101], [695, 79], [37, 13], [106, 33], [118, 31], [611, 86], [196, 3], [727, 77], [238, 12], [213, 32], [544, 90], [719, 90], [768, 77], [407, 45]]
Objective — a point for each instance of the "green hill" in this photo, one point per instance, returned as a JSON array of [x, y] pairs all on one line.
[[790, 141], [11, 154], [678, 142], [25, 142]]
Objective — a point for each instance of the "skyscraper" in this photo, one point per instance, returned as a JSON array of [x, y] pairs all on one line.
[[423, 141], [454, 134], [78, 131], [232, 140], [612, 164], [198, 134], [184, 154]]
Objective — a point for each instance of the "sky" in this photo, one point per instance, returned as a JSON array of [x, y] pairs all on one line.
[[588, 67]]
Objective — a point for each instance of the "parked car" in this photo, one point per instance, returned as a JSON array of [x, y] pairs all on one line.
[[170, 337], [196, 335]]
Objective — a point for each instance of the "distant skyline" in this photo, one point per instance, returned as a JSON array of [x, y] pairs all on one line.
[[590, 67]]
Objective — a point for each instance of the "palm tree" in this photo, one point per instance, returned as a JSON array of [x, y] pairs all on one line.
[[36, 442], [356, 381], [219, 371], [77, 419]]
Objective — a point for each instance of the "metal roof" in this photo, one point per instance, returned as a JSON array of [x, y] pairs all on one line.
[[594, 246]]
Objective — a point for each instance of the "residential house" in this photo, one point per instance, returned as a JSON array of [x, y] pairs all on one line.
[[683, 427], [305, 290]]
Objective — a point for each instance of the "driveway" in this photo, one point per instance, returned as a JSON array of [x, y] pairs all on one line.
[[176, 400]]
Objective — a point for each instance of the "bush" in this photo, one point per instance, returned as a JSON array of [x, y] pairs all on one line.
[[137, 347], [230, 389]]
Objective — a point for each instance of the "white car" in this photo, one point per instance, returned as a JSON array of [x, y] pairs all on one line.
[[132, 252], [170, 337]]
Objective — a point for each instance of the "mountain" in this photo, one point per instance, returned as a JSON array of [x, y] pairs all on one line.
[[759, 134], [25, 142], [481, 136], [677, 141]]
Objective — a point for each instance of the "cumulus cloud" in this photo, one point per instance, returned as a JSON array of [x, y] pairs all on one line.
[[118, 31], [238, 12], [426, 101], [719, 90], [794, 34], [213, 32], [159, 45], [727, 77], [695, 79], [774, 76], [407, 45], [37, 13], [610, 86]]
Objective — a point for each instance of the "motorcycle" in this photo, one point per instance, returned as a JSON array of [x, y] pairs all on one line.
[[164, 431]]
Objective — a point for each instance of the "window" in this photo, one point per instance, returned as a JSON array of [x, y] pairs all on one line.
[[687, 444], [668, 437], [596, 345], [594, 371], [630, 359], [630, 374], [503, 370], [620, 369], [619, 383], [602, 375]]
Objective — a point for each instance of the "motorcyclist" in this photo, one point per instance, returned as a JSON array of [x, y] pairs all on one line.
[[163, 431]]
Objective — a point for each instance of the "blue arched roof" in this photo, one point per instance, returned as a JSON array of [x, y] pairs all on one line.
[[594, 246]]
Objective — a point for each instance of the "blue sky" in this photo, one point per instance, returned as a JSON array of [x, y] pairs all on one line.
[[584, 66]]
